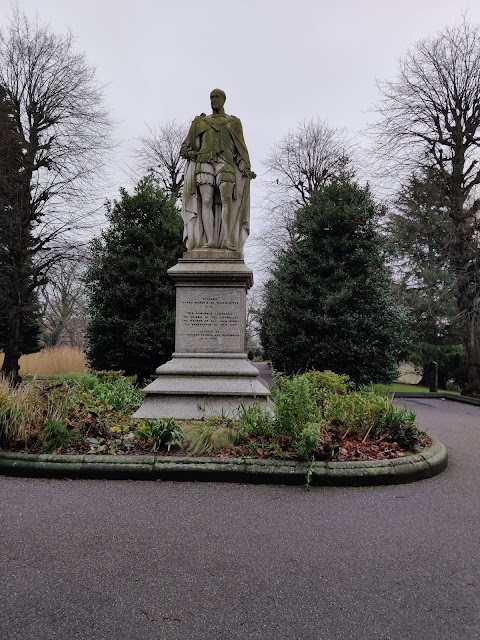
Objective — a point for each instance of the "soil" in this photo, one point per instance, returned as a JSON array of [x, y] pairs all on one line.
[[352, 449]]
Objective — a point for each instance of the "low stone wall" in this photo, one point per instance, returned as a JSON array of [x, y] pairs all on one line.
[[425, 464]]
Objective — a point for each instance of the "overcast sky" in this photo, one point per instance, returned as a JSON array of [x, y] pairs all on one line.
[[279, 61]]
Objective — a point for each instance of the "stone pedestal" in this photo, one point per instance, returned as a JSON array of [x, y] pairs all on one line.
[[209, 373]]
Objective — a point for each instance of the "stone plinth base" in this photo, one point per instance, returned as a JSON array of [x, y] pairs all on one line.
[[190, 387], [209, 373]]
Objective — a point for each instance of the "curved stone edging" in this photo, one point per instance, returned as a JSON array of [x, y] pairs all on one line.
[[425, 464], [438, 395]]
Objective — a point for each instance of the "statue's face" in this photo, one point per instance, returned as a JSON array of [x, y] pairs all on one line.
[[216, 100]]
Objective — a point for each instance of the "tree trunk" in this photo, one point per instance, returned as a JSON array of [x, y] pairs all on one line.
[[471, 337], [465, 263], [11, 367]]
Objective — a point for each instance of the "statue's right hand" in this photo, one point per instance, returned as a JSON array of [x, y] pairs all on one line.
[[187, 153]]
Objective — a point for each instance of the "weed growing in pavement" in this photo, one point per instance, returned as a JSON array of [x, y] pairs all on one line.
[[309, 476]]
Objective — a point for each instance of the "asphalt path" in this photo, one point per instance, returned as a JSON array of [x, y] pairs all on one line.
[[117, 560], [264, 371]]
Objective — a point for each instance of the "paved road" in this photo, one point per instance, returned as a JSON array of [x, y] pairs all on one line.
[[96, 560], [264, 371]]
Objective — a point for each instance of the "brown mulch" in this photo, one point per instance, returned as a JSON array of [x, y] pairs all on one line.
[[351, 449]]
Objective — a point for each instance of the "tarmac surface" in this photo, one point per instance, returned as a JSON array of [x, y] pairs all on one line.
[[265, 372], [120, 560]]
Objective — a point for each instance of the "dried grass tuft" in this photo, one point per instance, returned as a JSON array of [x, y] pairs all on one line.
[[21, 411], [62, 359], [204, 438]]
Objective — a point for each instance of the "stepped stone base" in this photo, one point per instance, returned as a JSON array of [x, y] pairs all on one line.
[[190, 387], [209, 373]]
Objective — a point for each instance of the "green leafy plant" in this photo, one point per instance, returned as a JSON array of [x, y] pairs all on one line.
[[164, 434], [310, 439], [97, 445], [108, 376], [116, 394], [357, 414], [451, 385], [379, 389], [268, 448], [56, 435], [86, 381], [295, 404], [329, 382], [256, 421], [364, 414], [399, 423]]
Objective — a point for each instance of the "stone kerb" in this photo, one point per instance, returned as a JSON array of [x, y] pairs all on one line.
[[425, 464]]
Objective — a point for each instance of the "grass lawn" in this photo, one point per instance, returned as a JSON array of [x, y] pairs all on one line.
[[411, 388]]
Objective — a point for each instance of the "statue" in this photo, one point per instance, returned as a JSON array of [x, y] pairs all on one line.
[[216, 191]]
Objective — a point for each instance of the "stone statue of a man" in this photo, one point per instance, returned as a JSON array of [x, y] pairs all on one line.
[[216, 192]]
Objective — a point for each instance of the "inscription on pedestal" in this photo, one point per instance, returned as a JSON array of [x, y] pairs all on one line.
[[210, 320]]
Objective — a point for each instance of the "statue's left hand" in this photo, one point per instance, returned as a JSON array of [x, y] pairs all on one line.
[[246, 173]]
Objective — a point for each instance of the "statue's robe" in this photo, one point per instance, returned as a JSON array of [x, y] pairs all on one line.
[[191, 202]]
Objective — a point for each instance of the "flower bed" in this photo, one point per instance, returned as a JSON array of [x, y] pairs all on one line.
[[318, 416]]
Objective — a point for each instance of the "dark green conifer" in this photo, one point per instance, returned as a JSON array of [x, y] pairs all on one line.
[[329, 303], [132, 299]]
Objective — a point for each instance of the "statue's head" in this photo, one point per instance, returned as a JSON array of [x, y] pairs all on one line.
[[217, 99]]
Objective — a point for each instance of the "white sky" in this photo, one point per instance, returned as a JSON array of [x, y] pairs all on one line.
[[279, 61]]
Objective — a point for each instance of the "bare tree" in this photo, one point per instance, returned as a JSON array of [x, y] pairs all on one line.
[[298, 165], [254, 308], [62, 300], [431, 114], [55, 108], [304, 160], [159, 151]]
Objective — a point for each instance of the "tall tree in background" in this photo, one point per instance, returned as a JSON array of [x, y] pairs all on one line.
[[431, 113], [62, 300], [19, 323], [61, 130], [131, 297], [328, 304], [302, 162], [419, 231], [305, 159], [159, 152]]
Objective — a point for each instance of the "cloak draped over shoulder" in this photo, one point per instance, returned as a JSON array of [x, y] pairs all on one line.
[[222, 150]]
